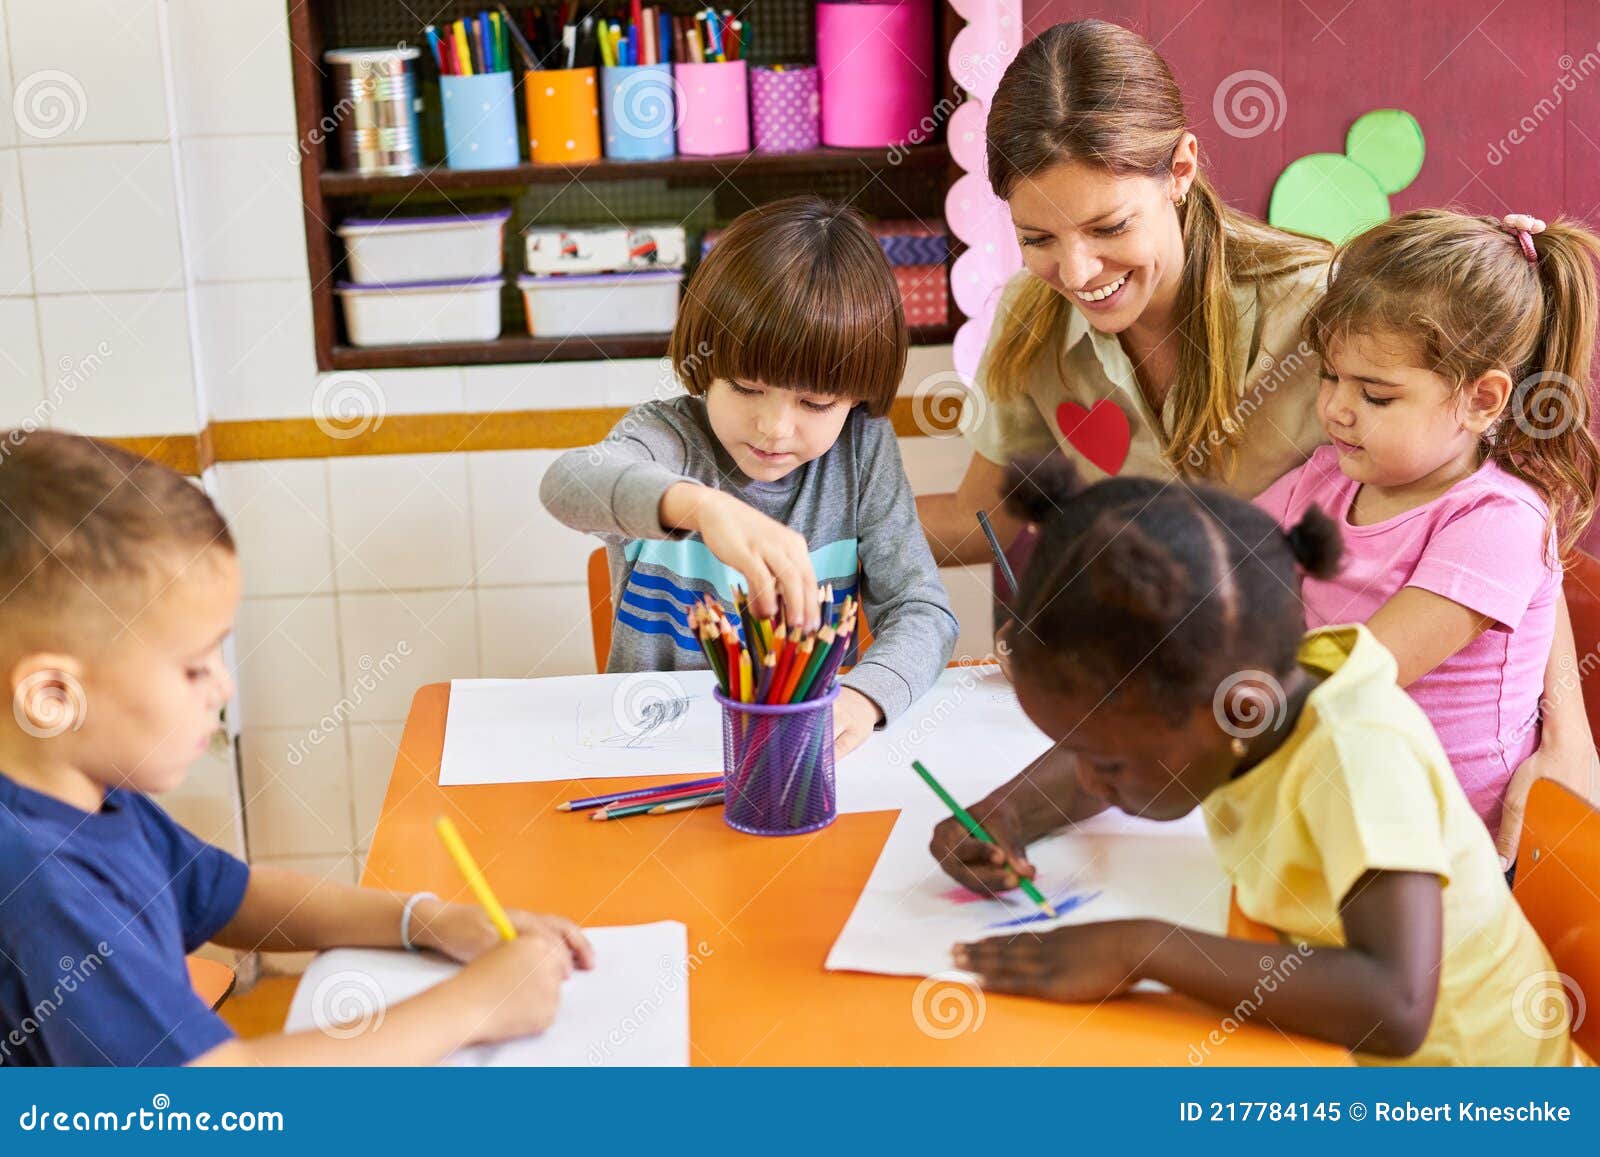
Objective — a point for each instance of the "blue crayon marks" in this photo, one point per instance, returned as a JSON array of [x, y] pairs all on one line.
[[1063, 904]]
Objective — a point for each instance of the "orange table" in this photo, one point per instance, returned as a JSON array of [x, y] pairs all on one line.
[[762, 915]]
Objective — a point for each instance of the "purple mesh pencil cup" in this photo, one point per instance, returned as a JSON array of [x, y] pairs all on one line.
[[777, 764]]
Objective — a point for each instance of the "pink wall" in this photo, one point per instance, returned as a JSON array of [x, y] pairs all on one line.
[[1468, 70]]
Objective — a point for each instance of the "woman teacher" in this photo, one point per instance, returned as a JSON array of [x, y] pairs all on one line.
[[1154, 331]]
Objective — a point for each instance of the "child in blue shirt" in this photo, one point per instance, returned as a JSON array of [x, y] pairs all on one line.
[[120, 583]]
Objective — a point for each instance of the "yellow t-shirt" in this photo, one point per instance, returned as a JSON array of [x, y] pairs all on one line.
[[1277, 407], [1362, 784]]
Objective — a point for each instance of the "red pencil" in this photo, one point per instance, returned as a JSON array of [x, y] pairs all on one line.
[[655, 798]]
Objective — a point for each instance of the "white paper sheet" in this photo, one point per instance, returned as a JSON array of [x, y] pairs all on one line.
[[1112, 867], [581, 727], [631, 1009]]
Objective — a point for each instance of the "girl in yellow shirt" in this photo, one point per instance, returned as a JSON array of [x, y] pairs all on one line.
[[1160, 646]]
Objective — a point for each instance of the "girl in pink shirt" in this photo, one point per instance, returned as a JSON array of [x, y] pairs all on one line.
[[1455, 354]]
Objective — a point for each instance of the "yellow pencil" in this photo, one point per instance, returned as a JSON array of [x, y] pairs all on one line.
[[469, 868]]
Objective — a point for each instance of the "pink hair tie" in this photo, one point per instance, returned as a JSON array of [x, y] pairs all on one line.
[[1524, 227]]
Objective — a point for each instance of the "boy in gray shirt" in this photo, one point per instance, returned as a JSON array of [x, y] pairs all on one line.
[[780, 471]]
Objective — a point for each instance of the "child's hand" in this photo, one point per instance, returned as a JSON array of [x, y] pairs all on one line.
[[976, 865], [854, 717], [774, 559], [514, 988], [464, 932], [1076, 963]]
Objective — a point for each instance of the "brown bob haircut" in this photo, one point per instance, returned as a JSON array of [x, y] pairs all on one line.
[[797, 295]]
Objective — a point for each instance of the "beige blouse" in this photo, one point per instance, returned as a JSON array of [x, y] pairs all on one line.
[[1277, 397]]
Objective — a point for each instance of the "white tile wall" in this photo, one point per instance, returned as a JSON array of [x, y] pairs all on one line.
[[288, 661], [297, 796], [528, 632], [88, 71], [22, 381], [102, 218], [247, 89], [257, 356], [401, 522], [373, 747], [16, 270], [280, 519], [515, 539], [245, 217], [126, 358], [439, 629]]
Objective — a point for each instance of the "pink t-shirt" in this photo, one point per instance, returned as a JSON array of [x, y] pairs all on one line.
[[1480, 544]]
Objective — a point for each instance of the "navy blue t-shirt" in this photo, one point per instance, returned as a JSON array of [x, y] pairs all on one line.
[[97, 911]]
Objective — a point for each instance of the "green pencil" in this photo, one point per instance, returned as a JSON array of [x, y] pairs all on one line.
[[978, 833]]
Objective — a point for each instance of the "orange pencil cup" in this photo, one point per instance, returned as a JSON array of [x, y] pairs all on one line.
[[563, 115]]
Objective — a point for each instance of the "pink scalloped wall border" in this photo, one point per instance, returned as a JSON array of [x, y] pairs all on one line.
[[979, 55]]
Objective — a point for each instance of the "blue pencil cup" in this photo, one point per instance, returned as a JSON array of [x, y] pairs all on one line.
[[639, 113], [480, 121]]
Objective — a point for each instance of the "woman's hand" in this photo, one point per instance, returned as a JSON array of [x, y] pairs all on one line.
[[984, 868], [1077, 963], [774, 559], [464, 932], [854, 717]]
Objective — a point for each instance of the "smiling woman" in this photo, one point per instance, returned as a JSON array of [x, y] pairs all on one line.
[[1154, 330]]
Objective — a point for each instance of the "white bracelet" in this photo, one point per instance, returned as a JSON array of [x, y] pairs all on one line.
[[405, 919]]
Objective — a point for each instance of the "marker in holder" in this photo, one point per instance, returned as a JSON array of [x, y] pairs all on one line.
[[784, 108], [777, 765], [638, 112], [480, 121], [876, 88], [715, 116], [563, 115]]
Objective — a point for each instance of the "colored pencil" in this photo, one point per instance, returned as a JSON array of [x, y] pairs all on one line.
[[645, 807], [688, 804], [633, 806], [594, 801], [999, 555], [474, 875], [978, 833]]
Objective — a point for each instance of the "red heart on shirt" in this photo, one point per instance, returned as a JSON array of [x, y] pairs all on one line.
[[1101, 433]]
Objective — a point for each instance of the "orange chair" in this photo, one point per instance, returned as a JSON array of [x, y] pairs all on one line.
[[601, 612], [211, 980], [1558, 886]]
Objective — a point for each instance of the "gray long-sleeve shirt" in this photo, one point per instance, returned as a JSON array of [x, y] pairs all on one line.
[[853, 505]]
